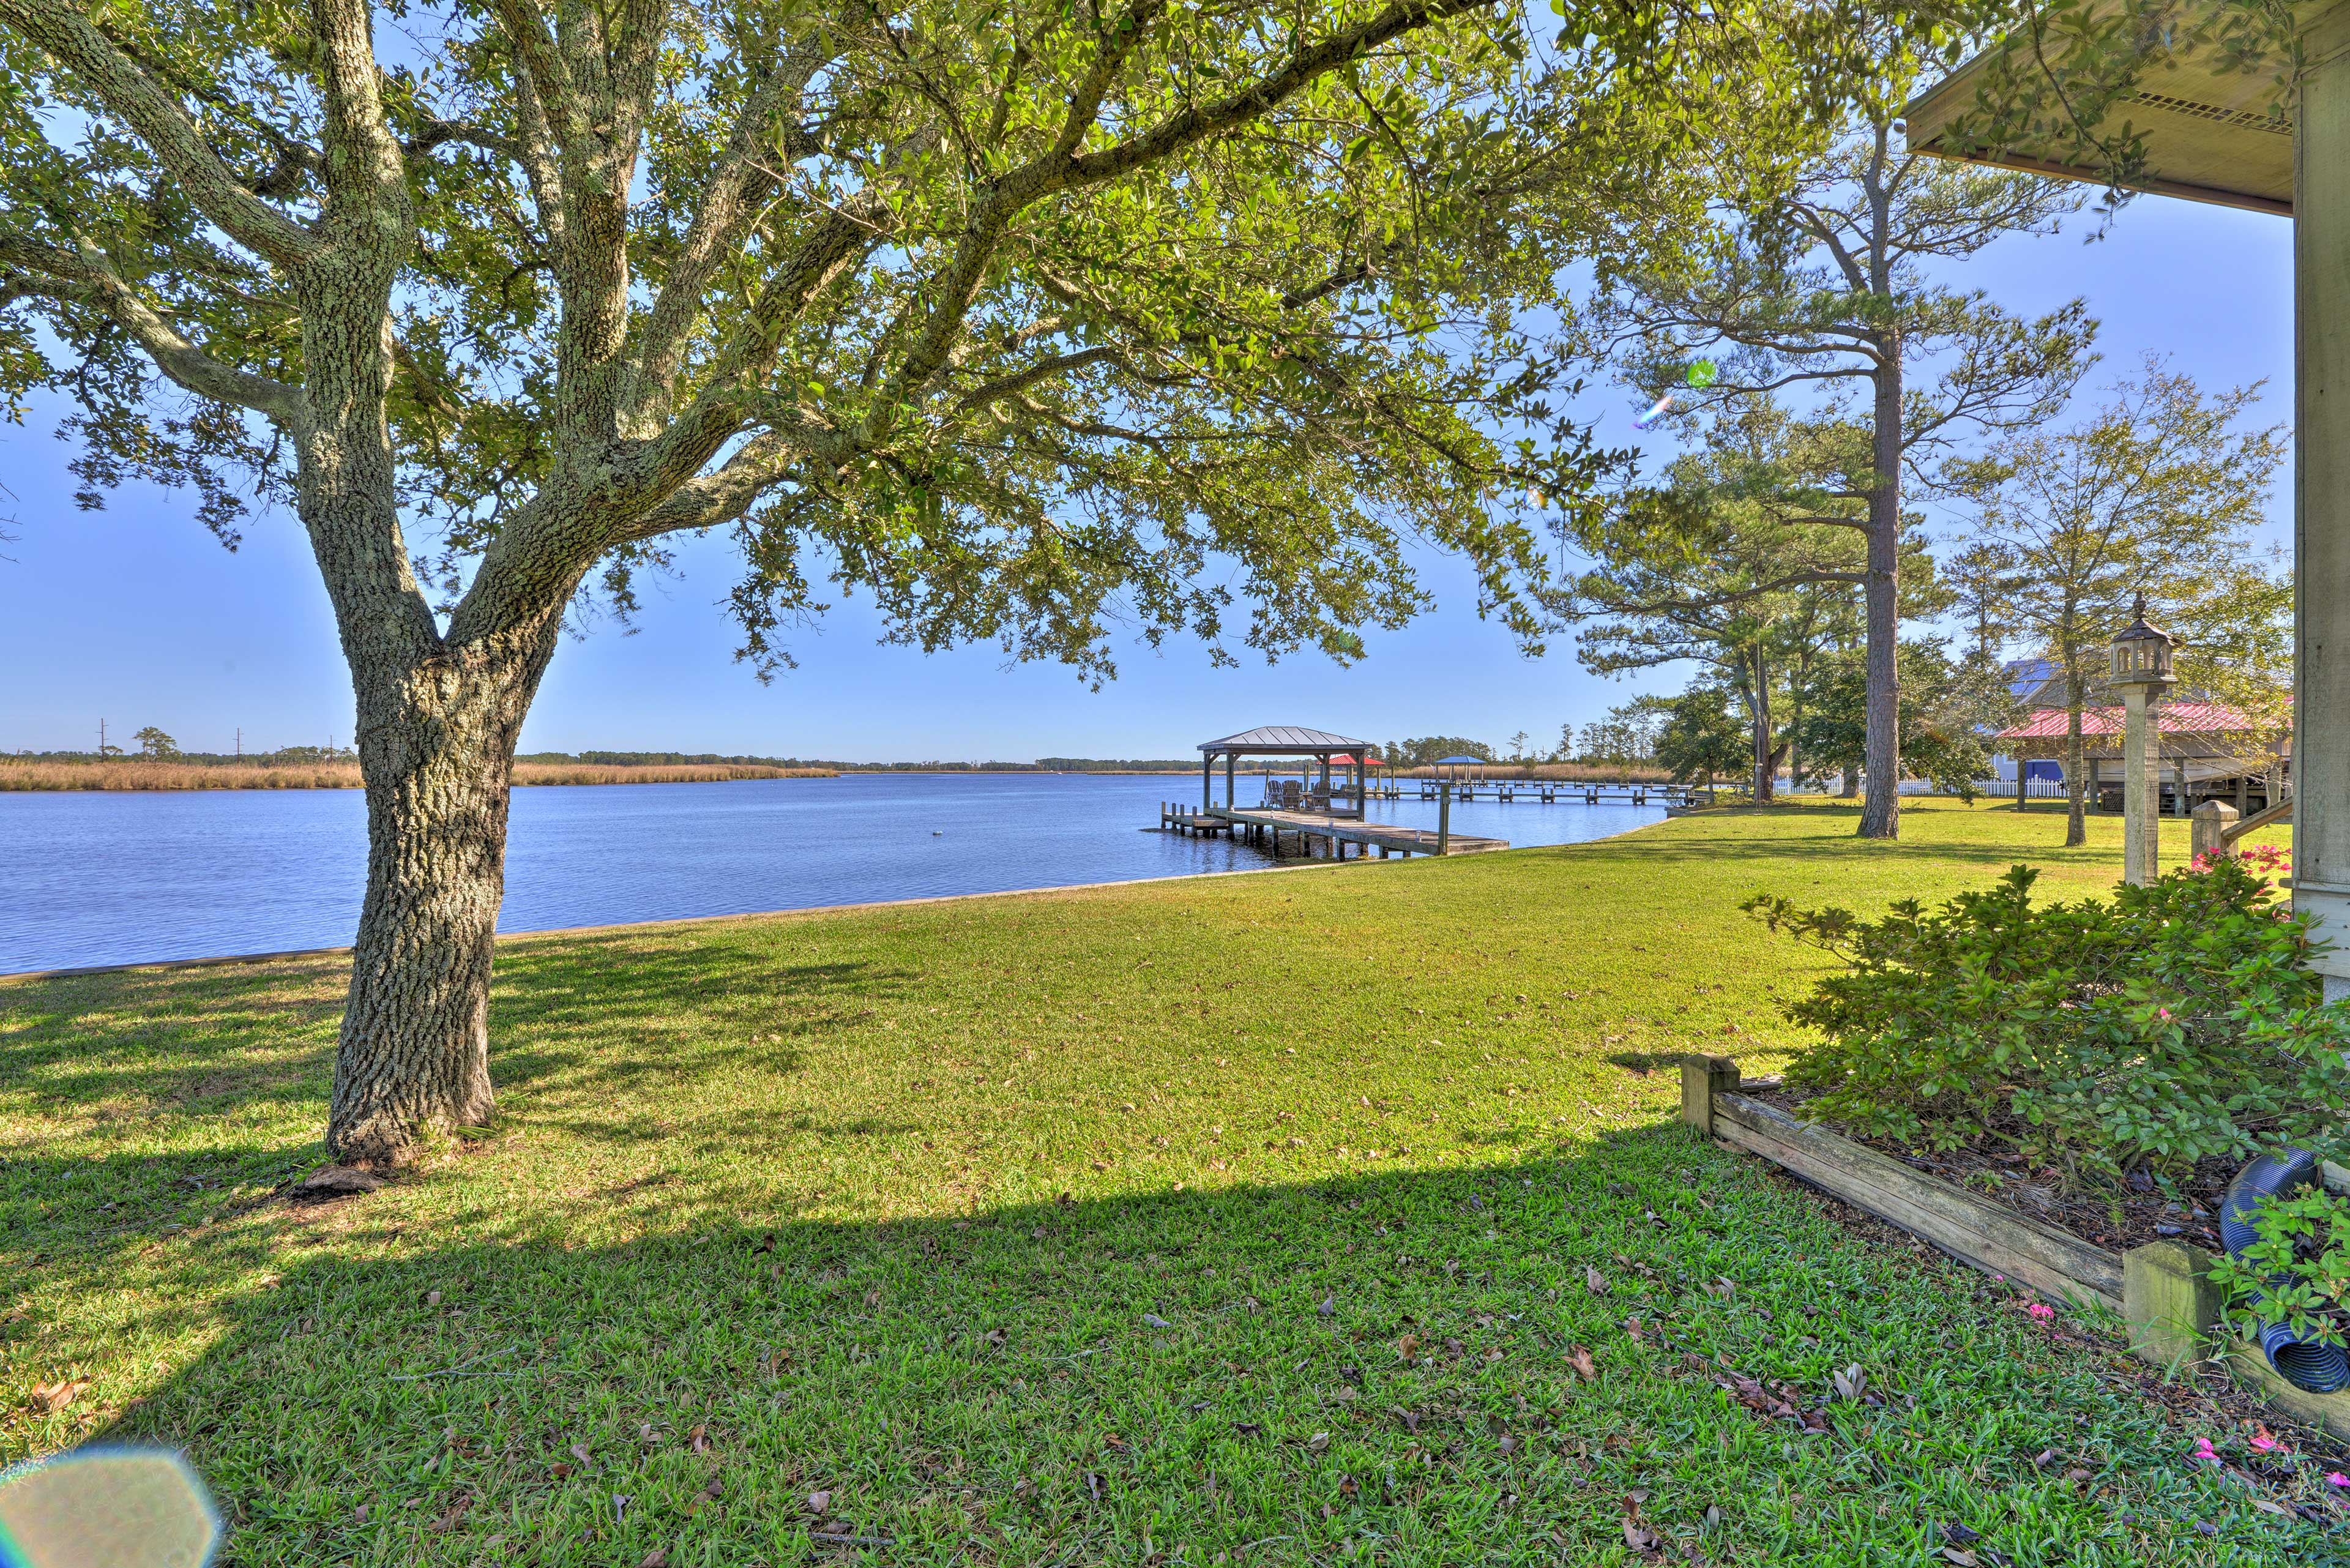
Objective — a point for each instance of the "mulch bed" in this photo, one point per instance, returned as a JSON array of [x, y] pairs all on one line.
[[2117, 1222], [2198, 1396]]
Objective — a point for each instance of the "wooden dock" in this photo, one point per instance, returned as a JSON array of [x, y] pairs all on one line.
[[1548, 792], [1336, 837]]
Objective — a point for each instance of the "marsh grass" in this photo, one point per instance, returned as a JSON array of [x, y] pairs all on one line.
[[875, 1205], [138, 773]]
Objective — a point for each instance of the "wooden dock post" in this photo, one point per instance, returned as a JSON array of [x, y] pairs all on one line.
[[1702, 1078], [1444, 817], [2212, 820]]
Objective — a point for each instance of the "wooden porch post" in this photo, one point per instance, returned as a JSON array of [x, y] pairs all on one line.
[[1207, 780], [2320, 242]]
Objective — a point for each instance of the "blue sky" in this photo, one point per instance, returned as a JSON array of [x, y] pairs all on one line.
[[136, 616]]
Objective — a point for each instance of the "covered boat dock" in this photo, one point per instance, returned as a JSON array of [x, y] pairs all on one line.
[[1330, 818]]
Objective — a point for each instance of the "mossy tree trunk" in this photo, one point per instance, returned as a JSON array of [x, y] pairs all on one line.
[[1880, 812], [436, 748]]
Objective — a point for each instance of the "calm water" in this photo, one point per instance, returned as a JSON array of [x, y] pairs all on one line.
[[91, 877]]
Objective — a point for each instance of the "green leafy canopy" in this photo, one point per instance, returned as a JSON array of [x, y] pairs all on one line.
[[1027, 320]]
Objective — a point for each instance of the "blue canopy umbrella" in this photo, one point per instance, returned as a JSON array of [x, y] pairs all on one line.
[[1460, 762], [1444, 801]]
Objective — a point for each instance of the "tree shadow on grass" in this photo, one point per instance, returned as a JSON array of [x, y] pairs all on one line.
[[600, 1016], [1376, 1367]]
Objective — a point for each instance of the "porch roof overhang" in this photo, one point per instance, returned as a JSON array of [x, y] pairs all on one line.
[[2208, 132]]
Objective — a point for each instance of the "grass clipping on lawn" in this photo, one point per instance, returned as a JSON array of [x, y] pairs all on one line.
[[1280, 1218]]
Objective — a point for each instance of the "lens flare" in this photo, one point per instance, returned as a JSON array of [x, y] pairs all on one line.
[[126, 1507], [1655, 412]]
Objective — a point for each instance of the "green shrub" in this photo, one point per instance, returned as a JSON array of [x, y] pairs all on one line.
[[2175, 1023], [2298, 1272]]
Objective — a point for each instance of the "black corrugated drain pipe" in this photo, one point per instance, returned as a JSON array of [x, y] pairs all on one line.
[[2303, 1363]]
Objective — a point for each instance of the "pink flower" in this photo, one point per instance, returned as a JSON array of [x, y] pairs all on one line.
[[2335, 1478], [2040, 1310], [2163, 1013], [2262, 1441], [2203, 1450]]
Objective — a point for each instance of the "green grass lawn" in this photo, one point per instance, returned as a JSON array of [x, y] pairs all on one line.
[[1250, 1219]]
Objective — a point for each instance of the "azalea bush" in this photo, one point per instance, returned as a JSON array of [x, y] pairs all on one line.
[[2298, 1271], [2170, 1023]]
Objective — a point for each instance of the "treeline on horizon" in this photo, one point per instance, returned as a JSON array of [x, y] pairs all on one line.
[[311, 756], [1406, 755], [681, 759], [284, 756]]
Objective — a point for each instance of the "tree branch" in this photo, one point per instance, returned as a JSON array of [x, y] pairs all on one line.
[[711, 499], [1021, 381], [29, 268], [124, 89], [727, 213]]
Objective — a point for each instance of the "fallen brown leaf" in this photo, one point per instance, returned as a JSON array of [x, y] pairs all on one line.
[[1580, 1359], [1594, 1281], [52, 1397]]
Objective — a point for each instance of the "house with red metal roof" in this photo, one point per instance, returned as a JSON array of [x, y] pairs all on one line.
[[2209, 749]]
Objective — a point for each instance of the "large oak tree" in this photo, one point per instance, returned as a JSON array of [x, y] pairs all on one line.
[[1036, 321]]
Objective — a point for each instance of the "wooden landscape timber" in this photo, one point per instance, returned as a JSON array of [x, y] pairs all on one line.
[[2169, 1307]]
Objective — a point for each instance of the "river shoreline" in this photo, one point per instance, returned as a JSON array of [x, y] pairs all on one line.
[[102, 877]]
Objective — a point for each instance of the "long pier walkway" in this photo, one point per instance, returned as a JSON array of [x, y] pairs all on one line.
[[1316, 834], [1549, 791]]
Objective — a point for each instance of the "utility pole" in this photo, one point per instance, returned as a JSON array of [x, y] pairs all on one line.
[[101, 740], [240, 743]]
